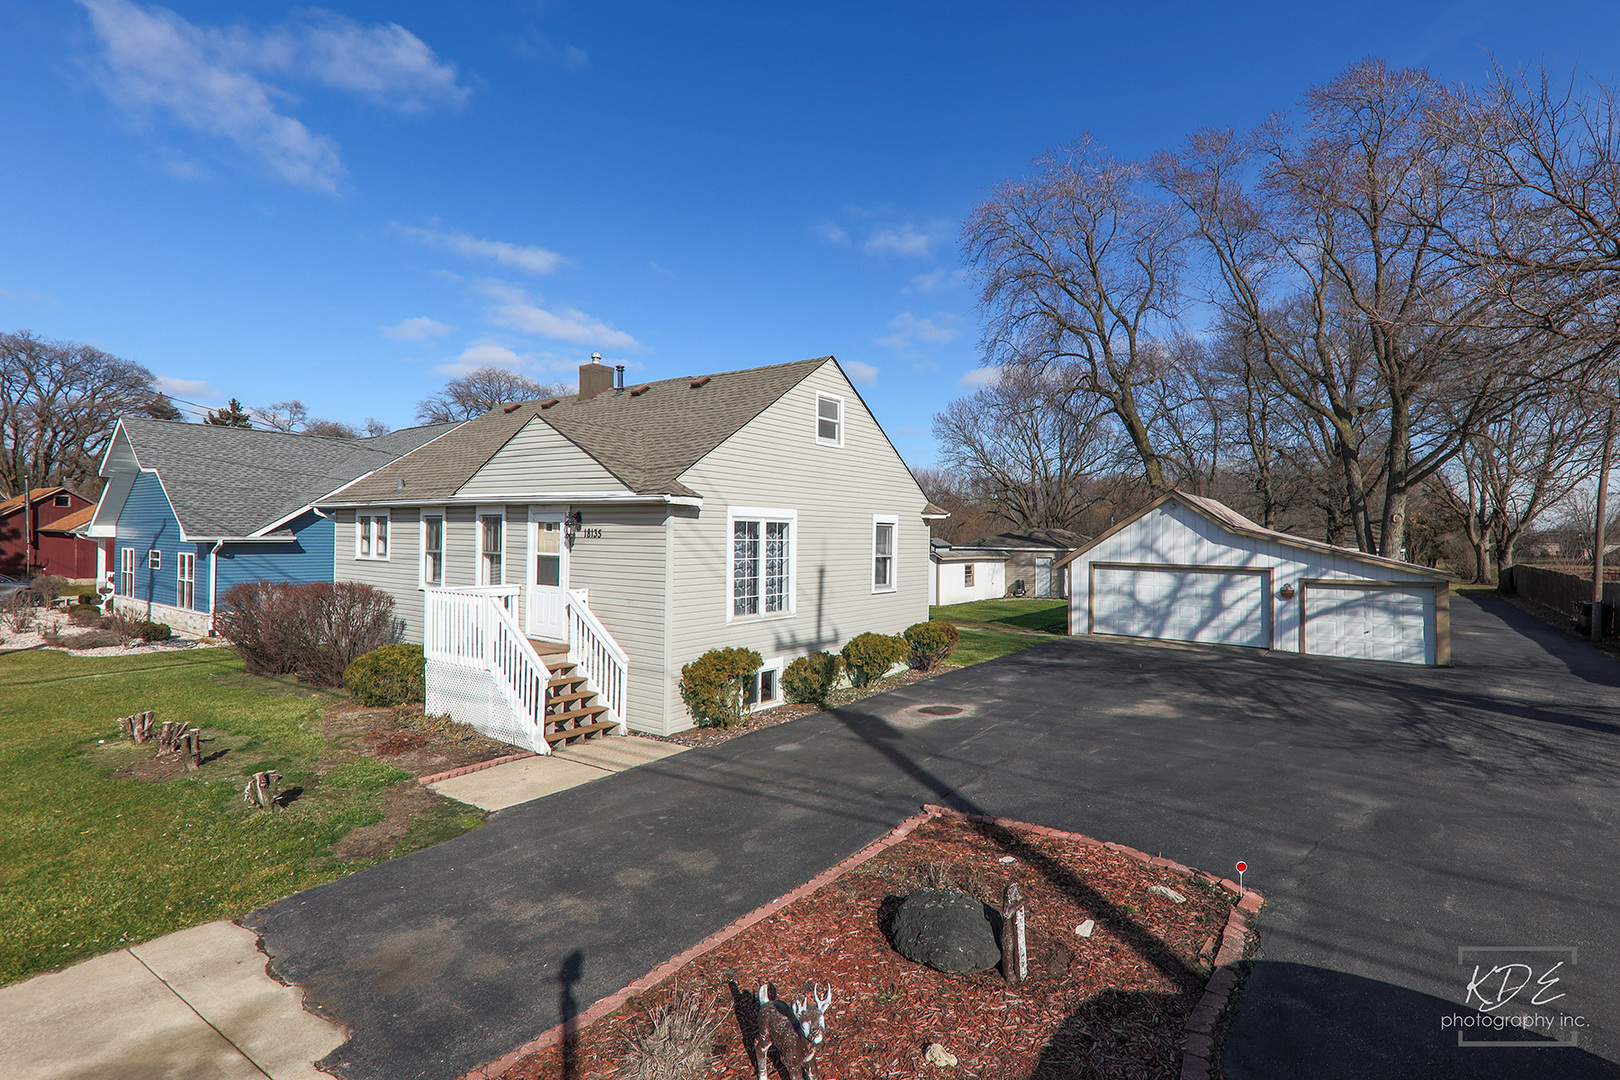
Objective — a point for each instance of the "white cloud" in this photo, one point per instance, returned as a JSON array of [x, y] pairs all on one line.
[[661, 271], [980, 377], [188, 388], [860, 374], [27, 296], [514, 309], [216, 81], [486, 353], [912, 431], [418, 328], [832, 232], [910, 330], [536, 260], [907, 240], [937, 281]]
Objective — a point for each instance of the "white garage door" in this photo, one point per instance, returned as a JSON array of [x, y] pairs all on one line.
[[1378, 623], [1220, 607]]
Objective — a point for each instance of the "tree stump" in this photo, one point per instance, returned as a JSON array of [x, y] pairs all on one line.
[[179, 739], [138, 727], [191, 746], [260, 792]]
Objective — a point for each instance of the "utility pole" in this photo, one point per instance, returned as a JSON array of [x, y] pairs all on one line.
[[1597, 539]]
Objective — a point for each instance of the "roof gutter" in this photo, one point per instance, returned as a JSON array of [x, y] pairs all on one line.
[[406, 498]]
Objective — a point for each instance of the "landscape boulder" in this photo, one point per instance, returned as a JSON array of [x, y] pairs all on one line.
[[947, 930]]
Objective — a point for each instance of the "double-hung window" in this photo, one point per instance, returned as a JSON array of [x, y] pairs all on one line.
[[126, 571], [829, 420], [491, 549], [967, 575], [761, 563], [185, 580], [371, 536], [884, 530], [432, 549], [154, 559]]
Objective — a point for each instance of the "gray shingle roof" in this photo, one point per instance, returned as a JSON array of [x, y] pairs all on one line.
[[1059, 539], [647, 436], [226, 481]]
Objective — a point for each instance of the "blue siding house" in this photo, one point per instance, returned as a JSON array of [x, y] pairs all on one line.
[[191, 510]]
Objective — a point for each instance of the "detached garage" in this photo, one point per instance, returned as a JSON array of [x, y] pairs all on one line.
[[1191, 569]]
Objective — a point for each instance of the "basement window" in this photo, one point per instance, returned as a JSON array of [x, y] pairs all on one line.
[[764, 688]]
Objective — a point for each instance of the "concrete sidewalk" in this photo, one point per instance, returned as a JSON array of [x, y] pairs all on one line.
[[196, 1003], [531, 778]]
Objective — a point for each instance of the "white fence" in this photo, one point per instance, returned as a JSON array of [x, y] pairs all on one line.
[[482, 670]]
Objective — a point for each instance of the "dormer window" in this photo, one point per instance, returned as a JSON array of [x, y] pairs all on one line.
[[829, 420]]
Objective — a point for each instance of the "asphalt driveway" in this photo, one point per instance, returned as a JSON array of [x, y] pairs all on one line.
[[1391, 815]]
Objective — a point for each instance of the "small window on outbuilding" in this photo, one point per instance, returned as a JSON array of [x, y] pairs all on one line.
[[967, 574], [63, 500]]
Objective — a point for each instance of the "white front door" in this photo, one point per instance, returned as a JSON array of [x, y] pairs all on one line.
[[547, 577]]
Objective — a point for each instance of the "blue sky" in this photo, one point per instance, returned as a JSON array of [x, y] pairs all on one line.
[[343, 204]]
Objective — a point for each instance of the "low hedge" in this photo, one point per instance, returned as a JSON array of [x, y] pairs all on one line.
[[931, 642], [809, 680], [870, 656], [712, 686], [155, 631], [391, 675]]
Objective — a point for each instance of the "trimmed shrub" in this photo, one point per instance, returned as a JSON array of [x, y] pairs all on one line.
[[870, 656], [712, 686], [84, 616], [391, 675], [931, 642], [809, 680], [313, 631], [155, 631]]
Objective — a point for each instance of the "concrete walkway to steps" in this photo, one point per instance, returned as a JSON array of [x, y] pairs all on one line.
[[195, 1004], [531, 778]]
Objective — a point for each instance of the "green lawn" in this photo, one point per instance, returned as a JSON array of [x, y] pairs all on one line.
[[991, 628], [1042, 616], [91, 862]]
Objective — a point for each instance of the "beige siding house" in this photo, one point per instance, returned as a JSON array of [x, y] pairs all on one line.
[[620, 533]]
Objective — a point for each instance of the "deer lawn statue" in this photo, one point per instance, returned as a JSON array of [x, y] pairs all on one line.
[[795, 1031]]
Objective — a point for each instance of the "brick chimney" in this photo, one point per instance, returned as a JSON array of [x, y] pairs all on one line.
[[594, 378]]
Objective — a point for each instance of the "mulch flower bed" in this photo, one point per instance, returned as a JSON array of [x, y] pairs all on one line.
[[1113, 1004], [781, 714]]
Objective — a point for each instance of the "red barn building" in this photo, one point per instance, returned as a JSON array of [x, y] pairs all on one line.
[[50, 548]]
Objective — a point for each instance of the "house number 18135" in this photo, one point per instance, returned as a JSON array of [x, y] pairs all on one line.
[[589, 534]]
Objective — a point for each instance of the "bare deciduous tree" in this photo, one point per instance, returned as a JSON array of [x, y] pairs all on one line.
[[1078, 268], [59, 404], [481, 390]]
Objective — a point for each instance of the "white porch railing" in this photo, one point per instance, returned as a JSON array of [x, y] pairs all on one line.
[[482, 669], [476, 630], [604, 664]]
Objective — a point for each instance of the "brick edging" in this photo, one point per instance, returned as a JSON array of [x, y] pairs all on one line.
[[480, 767], [1236, 924]]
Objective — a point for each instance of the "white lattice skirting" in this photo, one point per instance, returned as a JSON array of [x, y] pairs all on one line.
[[470, 696]]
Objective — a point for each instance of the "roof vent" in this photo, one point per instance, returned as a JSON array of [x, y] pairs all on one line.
[[399, 485], [549, 402], [618, 378], [642, 389], [700, 382], [512, 407]]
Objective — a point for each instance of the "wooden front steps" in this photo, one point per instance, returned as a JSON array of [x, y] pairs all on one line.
[[573, 713]]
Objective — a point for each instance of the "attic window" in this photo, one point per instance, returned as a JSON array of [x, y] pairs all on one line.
[[638, 391], [549, 402], [829, 420], [62, 500], [701, 382]]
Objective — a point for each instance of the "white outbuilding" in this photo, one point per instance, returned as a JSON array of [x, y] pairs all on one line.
[[959, 577], [1188, 568]]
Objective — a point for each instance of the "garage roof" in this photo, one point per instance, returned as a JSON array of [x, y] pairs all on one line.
[[1234, 522]]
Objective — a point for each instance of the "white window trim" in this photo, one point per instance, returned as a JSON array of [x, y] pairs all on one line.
[[126, 571], [422, 548], [154, 558], [753, 513], [842, 416], [371, 517], [893, 521], [478, 543], [778, 665], [180, 579]]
